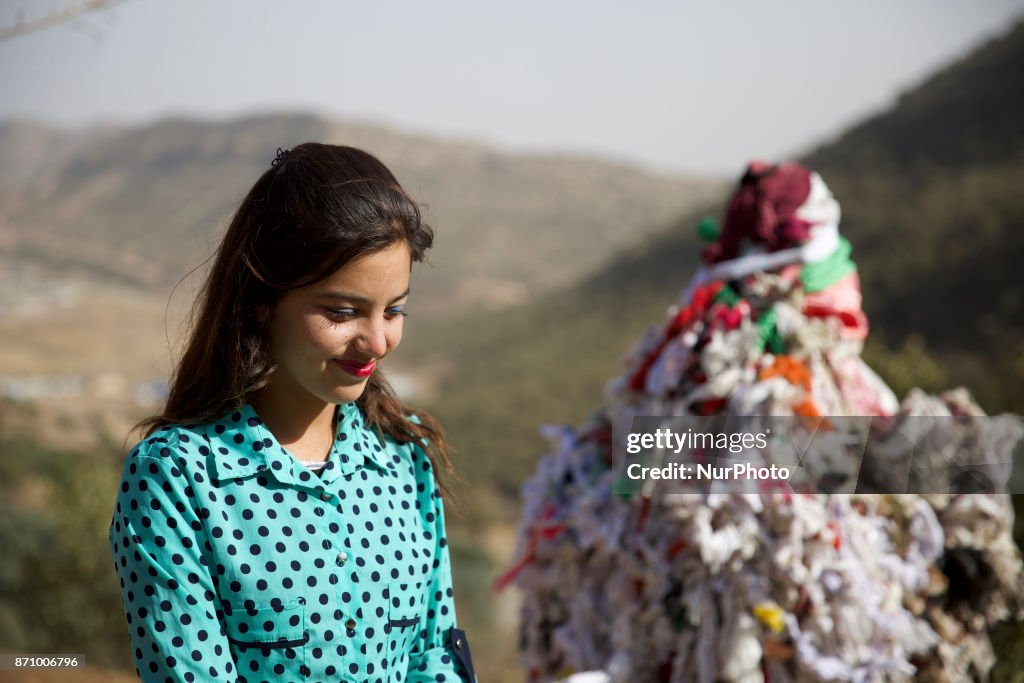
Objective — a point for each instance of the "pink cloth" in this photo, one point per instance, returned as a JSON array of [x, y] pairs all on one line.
[[842, 301]]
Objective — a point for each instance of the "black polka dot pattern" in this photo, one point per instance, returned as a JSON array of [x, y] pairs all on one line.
[[237, 563]]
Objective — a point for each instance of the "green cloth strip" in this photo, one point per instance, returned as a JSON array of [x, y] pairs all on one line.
[[837, 265]]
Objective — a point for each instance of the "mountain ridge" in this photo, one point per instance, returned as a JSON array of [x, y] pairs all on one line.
[[164, 191]]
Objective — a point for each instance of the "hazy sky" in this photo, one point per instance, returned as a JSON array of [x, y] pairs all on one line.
[[690, 86]]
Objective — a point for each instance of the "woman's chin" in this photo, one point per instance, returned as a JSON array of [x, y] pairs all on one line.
[[348, 392]]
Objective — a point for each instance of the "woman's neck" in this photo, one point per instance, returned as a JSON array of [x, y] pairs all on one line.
[[304, 427]]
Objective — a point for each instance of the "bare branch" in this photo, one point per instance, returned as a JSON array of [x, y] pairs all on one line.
[[21, 27]]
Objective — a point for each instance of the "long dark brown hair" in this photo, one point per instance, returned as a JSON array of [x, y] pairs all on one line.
[[315, 209]]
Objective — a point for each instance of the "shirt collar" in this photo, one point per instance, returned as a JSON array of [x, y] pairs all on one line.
[[355, 445], [241, 446]]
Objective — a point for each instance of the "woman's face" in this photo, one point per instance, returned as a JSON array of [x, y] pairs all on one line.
[[326, 339]]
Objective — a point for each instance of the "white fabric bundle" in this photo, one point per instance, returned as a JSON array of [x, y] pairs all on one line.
[[769, 585]]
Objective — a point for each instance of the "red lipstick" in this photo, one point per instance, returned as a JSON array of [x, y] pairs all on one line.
[[355, 368]]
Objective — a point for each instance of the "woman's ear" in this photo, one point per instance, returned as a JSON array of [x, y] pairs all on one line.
[[261, 314]]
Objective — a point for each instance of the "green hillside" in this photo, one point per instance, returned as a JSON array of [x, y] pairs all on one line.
[[931, 198], [931, 202]]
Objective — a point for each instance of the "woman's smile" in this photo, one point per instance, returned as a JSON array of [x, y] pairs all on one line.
[[357, 368]]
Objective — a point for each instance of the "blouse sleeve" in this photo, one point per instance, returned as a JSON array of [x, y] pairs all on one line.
[[444, 649], [169, 599]]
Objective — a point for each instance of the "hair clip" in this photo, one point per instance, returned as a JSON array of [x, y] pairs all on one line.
[[281, 155]]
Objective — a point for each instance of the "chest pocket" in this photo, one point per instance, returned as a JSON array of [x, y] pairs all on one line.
[[405, 614], [268, 643]]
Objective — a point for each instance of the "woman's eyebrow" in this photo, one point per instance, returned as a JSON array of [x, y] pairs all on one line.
[[331, 294]]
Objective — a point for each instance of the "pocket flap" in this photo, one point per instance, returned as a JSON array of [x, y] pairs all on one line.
[[405, 604], [276, 626]]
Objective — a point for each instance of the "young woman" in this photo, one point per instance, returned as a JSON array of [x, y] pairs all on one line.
[[281, 520]]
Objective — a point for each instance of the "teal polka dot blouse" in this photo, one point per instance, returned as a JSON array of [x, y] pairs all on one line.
[[237, 563]]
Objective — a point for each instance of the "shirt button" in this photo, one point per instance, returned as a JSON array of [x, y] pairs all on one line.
[[342, 558], [458, 643], [325, 496], [350, 624]]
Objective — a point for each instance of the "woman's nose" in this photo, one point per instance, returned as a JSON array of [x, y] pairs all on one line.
[[372, 339]]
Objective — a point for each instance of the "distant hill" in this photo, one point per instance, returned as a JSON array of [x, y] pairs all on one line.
[[144, 205], [931, 200], [32, 151]]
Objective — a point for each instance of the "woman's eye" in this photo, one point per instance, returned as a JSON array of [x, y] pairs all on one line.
[[341, 313]]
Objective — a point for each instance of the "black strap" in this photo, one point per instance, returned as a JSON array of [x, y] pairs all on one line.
[[270, 644], [402, 623], [460, 646]]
